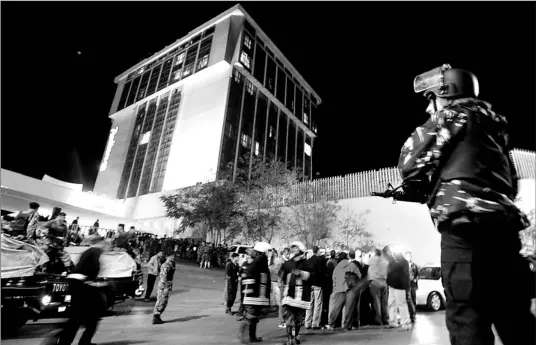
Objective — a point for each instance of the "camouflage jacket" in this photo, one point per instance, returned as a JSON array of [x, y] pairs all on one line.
[[437, 143]]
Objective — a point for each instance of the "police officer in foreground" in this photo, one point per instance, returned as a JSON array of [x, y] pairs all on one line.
[[458, 163]]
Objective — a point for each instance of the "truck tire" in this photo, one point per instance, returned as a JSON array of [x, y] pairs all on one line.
[[12, 320]]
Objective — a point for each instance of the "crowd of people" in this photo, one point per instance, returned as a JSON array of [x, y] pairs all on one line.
[[319, 290]]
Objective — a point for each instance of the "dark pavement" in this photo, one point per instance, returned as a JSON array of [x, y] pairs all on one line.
[[195, 316]]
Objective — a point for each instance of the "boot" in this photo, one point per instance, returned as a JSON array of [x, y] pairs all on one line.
[[157, 320], [290, 337], [242, 337], [228, 311], [253, 334], [297, 334]]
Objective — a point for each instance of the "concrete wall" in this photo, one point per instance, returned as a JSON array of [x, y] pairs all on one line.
[[108, 180], [195, 147]]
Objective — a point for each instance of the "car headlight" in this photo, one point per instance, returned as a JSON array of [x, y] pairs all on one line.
[[67, 298], [46, 300]]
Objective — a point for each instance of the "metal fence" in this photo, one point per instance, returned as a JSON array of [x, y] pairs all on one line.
[[361, 184]]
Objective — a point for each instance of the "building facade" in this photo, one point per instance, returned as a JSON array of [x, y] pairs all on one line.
[[223, 91]]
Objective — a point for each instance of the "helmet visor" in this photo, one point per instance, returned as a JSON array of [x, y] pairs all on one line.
[[429, 81]]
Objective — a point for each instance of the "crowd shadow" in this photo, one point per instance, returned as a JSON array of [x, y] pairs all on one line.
[[187, 318]]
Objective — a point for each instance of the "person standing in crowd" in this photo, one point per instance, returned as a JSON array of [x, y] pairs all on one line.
[[285, 255], [377, 276], [256, 289], [87, 304], [121, 238], [74, 224], [231, 272], [344, 294], [458, 163], [313, 315], [25, 223], [398, 282], [57, 237], [358, 283], [297, 296], [165, 285], [273, 261], [96, 224], [330, 263], [412, 291], [202, 255], [153, 269]]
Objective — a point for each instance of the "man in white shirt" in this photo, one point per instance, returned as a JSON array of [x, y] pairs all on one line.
[[153, 269]]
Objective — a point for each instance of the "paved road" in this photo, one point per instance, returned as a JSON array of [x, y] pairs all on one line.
[[195, 316]]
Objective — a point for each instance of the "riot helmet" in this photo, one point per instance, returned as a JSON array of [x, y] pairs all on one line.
[[446, 82]]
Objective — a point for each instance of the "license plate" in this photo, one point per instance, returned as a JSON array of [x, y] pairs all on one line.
[[60, 287], [61, 309]]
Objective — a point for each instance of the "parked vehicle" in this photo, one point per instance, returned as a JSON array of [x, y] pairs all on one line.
[[31, 295], [430, 292], [241, 250]]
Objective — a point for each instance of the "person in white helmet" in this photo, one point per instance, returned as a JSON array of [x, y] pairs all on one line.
[[256, 291], [297, 274]]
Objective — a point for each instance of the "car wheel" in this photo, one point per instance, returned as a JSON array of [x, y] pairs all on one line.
[[435, 301]]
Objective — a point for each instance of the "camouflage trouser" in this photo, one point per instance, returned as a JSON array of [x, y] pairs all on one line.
[[46, 244], [162, 298]]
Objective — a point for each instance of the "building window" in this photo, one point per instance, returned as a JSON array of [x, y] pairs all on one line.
[[180, 59], [145, 138], [251, 88], [203, 62], [307, 150], [245, 60], [260, 63], [305, 118], [237, 76], [246, 141], [257, 149], [204, 52], [271, 132], [247, 42], [229, 130]]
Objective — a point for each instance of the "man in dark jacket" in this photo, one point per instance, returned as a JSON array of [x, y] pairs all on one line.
[[398, 282], [330, 263], [411, 294], [87, 305], [231, 274], [313, 314], [458, 163]]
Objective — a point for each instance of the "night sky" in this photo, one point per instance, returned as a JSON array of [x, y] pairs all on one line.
[[59, 61]]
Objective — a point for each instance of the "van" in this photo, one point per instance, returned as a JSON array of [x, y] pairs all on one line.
[[241, 250]]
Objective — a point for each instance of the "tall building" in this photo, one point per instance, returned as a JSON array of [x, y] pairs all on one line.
[[222, 91]]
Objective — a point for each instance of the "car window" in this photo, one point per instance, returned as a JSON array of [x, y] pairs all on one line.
[[232, 249], [242, 250], [431, 273]]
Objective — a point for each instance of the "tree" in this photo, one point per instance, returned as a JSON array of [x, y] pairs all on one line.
[[310, 223], [353, 232], [312, 218], [264, 187], [212, 204]]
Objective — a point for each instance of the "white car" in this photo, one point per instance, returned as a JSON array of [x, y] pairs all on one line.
[[241, 251], [430, 292]]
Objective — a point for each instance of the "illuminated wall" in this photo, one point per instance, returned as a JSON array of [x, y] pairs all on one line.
[[114, 157], [196, 142]]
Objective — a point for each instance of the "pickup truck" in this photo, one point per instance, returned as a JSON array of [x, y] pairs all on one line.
[[31, 295]]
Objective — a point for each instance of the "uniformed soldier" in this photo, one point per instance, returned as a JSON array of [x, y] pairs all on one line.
[[165, 285]]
